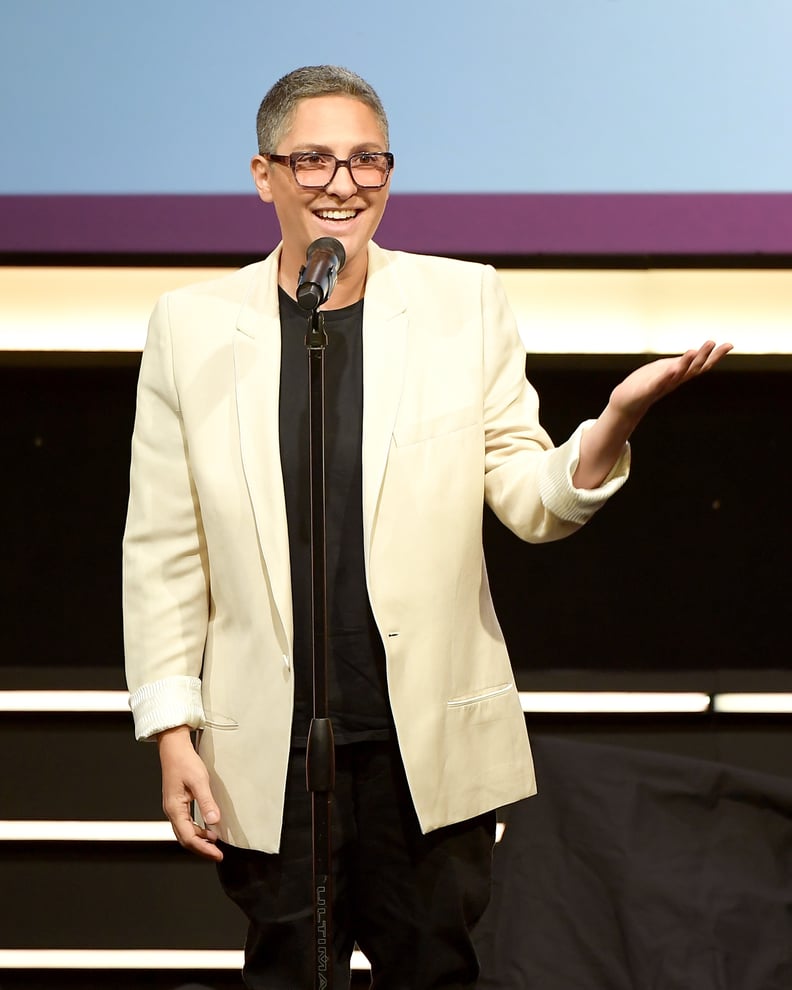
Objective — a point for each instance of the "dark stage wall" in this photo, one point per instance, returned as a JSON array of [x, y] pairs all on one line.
[[686, 569]]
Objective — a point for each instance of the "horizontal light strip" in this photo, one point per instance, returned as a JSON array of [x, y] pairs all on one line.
[[659, 311], [558, 311], [64, 701], [613, 702], [532, 701], [753, 704], [38, 830], [196, 959], [84, 309], [535, 702]]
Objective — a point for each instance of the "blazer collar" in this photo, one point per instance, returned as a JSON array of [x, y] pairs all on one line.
[[384, 299], [260, 307]]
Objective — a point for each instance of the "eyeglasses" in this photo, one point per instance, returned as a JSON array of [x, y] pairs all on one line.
[[314, 170]]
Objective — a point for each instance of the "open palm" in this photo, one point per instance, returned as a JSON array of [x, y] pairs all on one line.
[[652, 381]]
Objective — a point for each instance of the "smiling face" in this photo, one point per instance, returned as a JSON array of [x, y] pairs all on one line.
[[341, 126]]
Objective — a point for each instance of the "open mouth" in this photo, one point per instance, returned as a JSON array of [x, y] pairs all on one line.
[[338, 215]]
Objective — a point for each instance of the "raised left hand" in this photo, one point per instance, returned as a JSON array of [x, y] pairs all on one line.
[[644, 386], [602, 443]]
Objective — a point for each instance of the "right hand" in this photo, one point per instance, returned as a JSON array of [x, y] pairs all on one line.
[[185, 779]]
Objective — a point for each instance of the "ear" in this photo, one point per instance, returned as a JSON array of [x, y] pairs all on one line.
[[260, 170]]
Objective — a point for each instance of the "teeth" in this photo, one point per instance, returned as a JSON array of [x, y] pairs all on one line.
[[336, 214]]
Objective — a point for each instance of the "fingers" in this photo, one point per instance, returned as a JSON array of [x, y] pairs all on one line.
[[185, 779], [203, 843], [206, 803], [193, 837], [695, 362], [203, 840], [716, 354]]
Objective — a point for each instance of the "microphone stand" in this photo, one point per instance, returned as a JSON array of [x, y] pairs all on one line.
[[320, 755]]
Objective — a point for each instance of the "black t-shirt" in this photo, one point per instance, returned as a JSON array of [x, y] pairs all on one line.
[[357, 688]]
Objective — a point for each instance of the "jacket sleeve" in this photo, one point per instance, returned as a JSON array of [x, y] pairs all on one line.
[[165, 567], [528, 481]]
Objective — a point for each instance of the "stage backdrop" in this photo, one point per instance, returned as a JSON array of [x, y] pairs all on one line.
[[577, 126]]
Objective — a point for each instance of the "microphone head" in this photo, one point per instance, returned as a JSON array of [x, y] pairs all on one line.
[[324, 259], [331, 246]]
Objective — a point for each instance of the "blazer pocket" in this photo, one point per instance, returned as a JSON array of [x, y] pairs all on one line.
[[213, 720], [406, 434], [487, 694]]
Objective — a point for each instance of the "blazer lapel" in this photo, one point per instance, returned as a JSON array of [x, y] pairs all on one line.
[[257, 373], [384, 358], [257, 347]]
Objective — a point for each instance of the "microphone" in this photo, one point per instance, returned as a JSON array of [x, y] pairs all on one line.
[[324, 259]]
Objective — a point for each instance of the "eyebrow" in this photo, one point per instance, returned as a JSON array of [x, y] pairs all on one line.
[[326, 150]]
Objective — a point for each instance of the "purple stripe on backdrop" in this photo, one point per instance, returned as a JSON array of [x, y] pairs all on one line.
[[488, 225]]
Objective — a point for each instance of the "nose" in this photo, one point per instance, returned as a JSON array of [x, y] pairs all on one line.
[[342, 184]]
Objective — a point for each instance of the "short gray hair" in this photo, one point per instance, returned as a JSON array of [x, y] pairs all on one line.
[[276, 113]]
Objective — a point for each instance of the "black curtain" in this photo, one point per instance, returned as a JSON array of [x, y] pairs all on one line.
[[633, 870]]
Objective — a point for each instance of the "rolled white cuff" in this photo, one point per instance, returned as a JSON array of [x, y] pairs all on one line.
[[166, 703], [559, 495]]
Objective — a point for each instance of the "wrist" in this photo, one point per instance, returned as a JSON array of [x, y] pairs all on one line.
[[622, 420], [177, 735]]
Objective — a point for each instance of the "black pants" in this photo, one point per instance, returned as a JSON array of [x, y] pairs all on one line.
[[408, 900]]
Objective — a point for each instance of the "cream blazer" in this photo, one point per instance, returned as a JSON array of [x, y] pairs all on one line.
[[449, 422]]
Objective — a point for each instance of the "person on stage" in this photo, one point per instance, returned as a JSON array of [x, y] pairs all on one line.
[[429, 416]]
